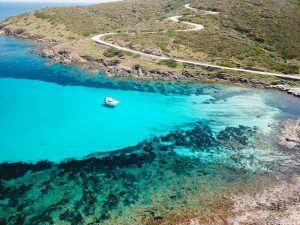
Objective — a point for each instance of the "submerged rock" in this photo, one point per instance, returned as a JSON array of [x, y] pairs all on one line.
[[13, 170], [150, 181], [2, 221], [72, 217], [236, 136]]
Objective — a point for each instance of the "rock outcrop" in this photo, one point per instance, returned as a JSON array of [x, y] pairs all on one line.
[[20, 33], [112, 67], [291, 90], [63, 57], [289, 135]]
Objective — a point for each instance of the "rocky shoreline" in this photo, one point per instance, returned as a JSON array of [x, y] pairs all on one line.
[[154, 184], [289, 136], [20, 33], [111, 67], [277, 205]]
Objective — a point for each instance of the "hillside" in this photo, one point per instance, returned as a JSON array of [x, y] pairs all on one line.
[[263, 35], [84, 21], [259, 35]]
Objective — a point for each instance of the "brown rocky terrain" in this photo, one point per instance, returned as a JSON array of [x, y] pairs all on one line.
[[289, 135], [112, 68], [279, 205]]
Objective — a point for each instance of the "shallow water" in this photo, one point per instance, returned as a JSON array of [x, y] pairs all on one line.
[[58, 122], [48, 121]]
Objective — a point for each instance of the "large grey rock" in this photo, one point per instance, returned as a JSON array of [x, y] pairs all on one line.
[[291, 90]]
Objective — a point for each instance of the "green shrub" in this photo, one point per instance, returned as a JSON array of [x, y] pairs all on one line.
[[163, 46], [227, 63], [41, 15], [111, 52], [287, 55], [71, 38], [134, 55], [286, 68], [86, 33], [168, 62]]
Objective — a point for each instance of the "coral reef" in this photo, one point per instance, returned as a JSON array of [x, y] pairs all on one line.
[[153, 182]]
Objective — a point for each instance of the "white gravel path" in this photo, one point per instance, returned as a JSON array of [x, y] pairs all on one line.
[[196, 27]]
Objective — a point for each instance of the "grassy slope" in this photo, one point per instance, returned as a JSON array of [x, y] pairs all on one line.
[[84, 21], [259, 34], [274, 23], [119, 16], [227, 39]]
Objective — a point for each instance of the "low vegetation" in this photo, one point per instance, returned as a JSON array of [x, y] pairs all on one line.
[[111, 52], [168, 62], [262, 38], [286, 68], [258, 34], [117, 16], [273, 23]]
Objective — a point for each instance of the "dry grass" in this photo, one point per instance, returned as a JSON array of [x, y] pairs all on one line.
[[261, 34], [34, 26]]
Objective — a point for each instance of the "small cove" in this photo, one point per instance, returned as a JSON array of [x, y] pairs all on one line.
[[57, 120]]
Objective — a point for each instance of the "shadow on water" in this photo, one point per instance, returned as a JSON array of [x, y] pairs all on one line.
[[18, 62], [108, 106]]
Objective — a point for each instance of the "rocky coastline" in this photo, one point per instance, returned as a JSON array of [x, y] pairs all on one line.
[[277, 205], [289, 136], [20, 33], [111, 67], [105, 188]]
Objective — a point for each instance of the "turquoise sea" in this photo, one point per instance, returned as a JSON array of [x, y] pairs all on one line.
[[67, 158], [42, 112]]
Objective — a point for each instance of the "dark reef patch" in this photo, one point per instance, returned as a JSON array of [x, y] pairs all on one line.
[[75, 76], [2, 221], [43, 218], [71, 217], [103, 185], [13, 170], [237, 135]]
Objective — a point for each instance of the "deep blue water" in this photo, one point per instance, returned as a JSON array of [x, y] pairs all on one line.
[[8, 9], [55, 112]]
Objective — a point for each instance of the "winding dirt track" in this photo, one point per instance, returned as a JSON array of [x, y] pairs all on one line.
[[196, 27]]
